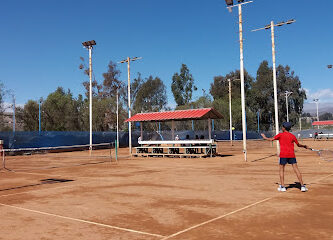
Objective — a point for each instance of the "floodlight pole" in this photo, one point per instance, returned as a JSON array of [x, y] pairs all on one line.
[[39, 115], [317, 103], [128, 60], [89, 45], [242, 80], [240, 22], [276, 112], [258, 116], [13, 116], [129, 105], [90, 98], [117, 121], [230, 113], [271, 26], [14, 108], [287, 94]]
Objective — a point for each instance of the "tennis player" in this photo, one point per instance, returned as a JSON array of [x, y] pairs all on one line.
[[287, 154]]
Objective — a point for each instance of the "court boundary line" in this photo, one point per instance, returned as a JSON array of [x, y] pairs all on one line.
[[233, 212], [83, 221], [216, 218]]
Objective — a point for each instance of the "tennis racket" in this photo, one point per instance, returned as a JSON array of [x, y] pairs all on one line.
[[324, 154]]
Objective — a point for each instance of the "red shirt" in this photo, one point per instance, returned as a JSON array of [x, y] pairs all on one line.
[[287, 141]]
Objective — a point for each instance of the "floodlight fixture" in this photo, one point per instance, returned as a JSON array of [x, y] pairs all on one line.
[[136, 58], [280, 24], [290, 21], [88, 44], [229, 2], [330, 66], [275, 25], [129, 59]]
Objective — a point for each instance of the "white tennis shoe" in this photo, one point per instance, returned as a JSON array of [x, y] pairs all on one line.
[[304, 189], [282, 188]]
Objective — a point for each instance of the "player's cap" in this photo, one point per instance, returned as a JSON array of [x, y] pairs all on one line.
[[286, 125]]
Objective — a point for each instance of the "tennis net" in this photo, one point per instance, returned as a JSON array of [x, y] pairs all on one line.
[[56, 157]]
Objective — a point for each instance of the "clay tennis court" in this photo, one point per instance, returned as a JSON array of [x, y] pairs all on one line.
[[169, 198]]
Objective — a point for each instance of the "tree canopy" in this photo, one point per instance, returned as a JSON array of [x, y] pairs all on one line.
[[182, 86], [61, 111], [151, 97], [259, 97], [262, 97]]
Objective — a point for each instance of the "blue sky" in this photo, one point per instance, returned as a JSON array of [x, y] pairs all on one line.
[[41, 41]]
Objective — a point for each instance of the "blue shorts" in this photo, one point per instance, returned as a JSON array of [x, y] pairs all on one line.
[[284, 161]]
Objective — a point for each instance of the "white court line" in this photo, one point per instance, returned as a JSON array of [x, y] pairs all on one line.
[[83, 221], [230, 213], [217, 218]]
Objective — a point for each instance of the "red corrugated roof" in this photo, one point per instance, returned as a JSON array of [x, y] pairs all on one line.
[[191, 114], [317, 123]]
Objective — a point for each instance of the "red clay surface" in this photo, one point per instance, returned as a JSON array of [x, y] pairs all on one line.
[[167, 198]]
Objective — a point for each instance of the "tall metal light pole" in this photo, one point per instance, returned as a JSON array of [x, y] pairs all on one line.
[[316, 100], [128, 60], [258, 119], [117, 121], [271, 26], [39, 116], [230, 111], [230, 5], [287, 94], [89, 45], [14, 112]]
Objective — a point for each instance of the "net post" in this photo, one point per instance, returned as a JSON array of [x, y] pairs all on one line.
[[2, 153]]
